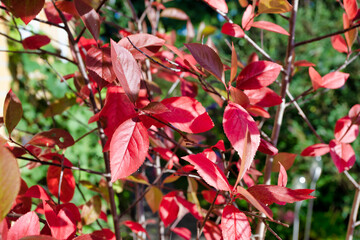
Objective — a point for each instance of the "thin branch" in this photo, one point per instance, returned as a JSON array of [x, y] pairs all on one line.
[[86, 134]]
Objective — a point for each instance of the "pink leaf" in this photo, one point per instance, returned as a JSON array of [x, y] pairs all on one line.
[[269, 194], [209, 171], [354, 114], [89, 16], [218, 4], [334, 80], [263, 97], [342, 154], [269, 26], [315, 77], [26, 225], [282, 179], [127, 70], [182, 232], [174, 13], [351, 8], [35, 42], [52, 14], [208, 59], [237, 123], [169, 208], [247, 18], [267, 148], [232, 30], [128, 149], [318, 149], [98, 60], [339, 44], [345, 130], [258, 75], [186, 114], [234, 224], [212, 231]]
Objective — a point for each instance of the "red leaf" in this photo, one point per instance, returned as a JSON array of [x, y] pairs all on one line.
[[12, 111], [334, 80], [61, 221], [186, 114], [128, 149], [188, 89], [351, 8], [182, 232], [269, 26], [318, 149], [267, 148], [342, 154], [147, 43], [35, 42], [127, 70], [209, 171], [168, 155], [286, 159], [282, 179], [269, 194], [339, 44], [212, 231], [103, 234], [53, 137], [37, 192], [26, 225], [52, 14], [22, 204], [89, 16], [257, 111], [135, 227], [191, 207], [208, 59], [237, 123], [247, 18], [98, 60], [315, 77], [263, 97], [258, 75], [238, 96], [354, 114], [67, 182], [169, 208], [234, 224], [209, 196], [26, 9], [345, 130], [232, 30], [304, 63], [218, 4]]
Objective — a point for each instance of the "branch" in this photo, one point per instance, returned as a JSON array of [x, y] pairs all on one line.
[[39, 52]]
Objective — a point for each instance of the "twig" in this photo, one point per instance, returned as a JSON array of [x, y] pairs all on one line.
[[39, 52], [86, 134], [200, 229]]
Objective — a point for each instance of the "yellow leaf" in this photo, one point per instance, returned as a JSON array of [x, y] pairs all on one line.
[[91, 210], [274, 6], [171, 178], [9, 180], [153, 197]]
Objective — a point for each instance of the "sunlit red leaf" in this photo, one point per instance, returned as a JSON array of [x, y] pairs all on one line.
[[282, 179], [339, 44], [247, 18], [35, 42], [128, 148], [342, 154], [234, 64], [237, 123], [234, 224], [286, 159], [98, 60], [26, 9], [127, 70], [267, 148], [169, 208], [168, 155], [345, 131], [182, 232], [354, 114], [315, 77], [90, 212], [318, 149], [263, 97], [89, 16], [12, 111], [334, 80], [278, 6], [208, 59], [257, 111], [186, 114], [304, 63], [134, 226], [26, 225], [269, 26], [212, 231], [218, 4], [209, 196], [53, 137], [209, 171], [269, 194], [232, 30], [258, 75], [351, 8], [174, 13], [9, 180], [67, 181]]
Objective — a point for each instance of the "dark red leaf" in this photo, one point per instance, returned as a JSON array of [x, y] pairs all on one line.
[[267, 148], [258, 75], [237, 124], [25, 9], [286, 159], [269, 194], [269, 26], [342, 154], [52, 14], [26, 225], [218, 4], [239, 97], [232, 30], [208, 59], [318, 149], [188, 89], [186, 114], [168, 155], [339, 44], [169, 208], [345, 131], [37, 192], [89, 16], [98, 60], [182, 232], [12, 111], [53, 137], [22, 204], [234, 224], [209, 196], [128, 149], [263, 97], [209, 171], [35, 42], [127, 70], [191, 207]]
